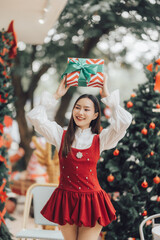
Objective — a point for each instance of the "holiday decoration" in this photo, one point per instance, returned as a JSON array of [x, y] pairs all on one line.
[[144, 184], [152, 125], [157, 77], [156, 180], [116, 152], [8, 45], [129, 104], [44, 158], [144, 213], [138, 163], [133, 95], [144, 131], [84, 72], [110, 178], [158, 199]]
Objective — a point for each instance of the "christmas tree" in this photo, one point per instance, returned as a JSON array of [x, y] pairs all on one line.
[[130, 173], [7, 52]]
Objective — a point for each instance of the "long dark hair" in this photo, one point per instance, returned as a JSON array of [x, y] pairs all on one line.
[[70, 133]]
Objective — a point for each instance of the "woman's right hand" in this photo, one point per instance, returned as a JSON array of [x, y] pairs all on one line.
[[62, 89]]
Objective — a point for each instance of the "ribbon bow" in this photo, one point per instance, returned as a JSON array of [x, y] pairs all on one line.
[[85, 70]]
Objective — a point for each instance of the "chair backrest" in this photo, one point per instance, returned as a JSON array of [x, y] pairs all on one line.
[[152, 217], [41, 194]]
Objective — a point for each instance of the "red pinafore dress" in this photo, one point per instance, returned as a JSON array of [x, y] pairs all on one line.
[[79, 199]]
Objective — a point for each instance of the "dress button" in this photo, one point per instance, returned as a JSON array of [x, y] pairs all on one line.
[[76, 166], [92, 173], [88, 187], [86, 177], [87, 159], [67, 176], [90, 170], [79, 187], [63, 167]]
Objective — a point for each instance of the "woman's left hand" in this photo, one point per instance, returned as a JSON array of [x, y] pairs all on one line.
[[105, 92]]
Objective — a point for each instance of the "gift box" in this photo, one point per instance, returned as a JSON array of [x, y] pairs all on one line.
[[84, 72]]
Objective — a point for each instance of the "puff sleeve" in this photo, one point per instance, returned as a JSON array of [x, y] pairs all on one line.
[[119, 122], [38, 118]]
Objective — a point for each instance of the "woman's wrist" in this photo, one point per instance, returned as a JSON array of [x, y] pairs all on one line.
[[56, 96], [105, 94]]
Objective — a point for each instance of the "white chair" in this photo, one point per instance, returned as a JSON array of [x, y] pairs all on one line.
[[40, 194], [155, 227]]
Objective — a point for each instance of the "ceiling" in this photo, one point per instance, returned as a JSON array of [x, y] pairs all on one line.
[[26, 15]]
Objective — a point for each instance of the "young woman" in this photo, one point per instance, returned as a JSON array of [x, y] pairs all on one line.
[[79, 205]]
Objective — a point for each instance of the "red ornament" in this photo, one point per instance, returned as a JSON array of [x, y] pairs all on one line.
[[144, 213], [157, 105], [144, 131], [110, 178], [158, 199], [116, 152], [151, 153], [129, 104], [144, 184], [152, 125], [133, 95], [156, 179]]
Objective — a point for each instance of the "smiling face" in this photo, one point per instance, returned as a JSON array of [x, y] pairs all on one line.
[[84, 113]]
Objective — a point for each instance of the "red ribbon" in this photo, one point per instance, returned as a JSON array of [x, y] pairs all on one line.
[[2, 186], [2, 216], [2, 159], [13, 50], [3, 195], [157, 77]]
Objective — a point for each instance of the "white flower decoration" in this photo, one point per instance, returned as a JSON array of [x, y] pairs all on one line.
[[79, 155]]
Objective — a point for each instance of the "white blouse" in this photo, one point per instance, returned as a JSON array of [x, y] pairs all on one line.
[[109, 137]]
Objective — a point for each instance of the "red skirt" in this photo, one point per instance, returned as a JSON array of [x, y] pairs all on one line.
[[79, 208]]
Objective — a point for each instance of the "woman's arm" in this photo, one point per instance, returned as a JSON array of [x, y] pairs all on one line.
[[119, 121], [38, 116]]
